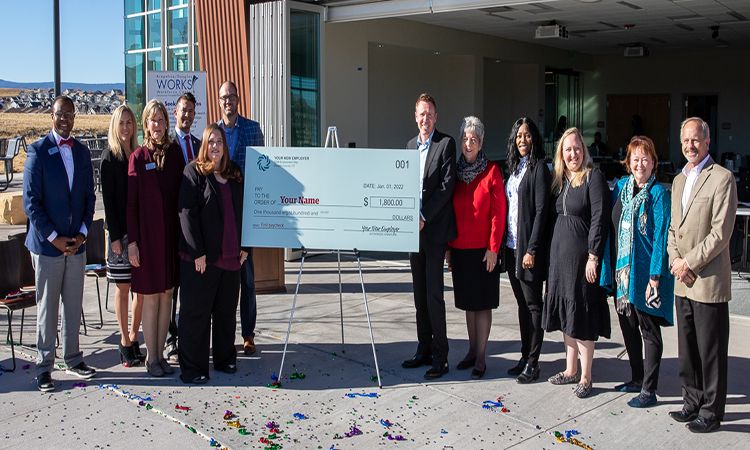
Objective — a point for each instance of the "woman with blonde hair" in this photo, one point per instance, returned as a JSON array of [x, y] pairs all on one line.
[[122, 140], [154, 178], [210, 208], [575, 303]]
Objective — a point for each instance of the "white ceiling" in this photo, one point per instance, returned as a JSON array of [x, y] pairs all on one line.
[[597, 27]]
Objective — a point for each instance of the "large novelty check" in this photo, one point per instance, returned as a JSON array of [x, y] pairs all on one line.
[[331, 198]]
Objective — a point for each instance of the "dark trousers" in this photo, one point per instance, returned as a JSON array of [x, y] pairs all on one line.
[[207, 297], [172, 331], [427, 279], [529, 298], [649, 346], [703, 336], [248, 305]]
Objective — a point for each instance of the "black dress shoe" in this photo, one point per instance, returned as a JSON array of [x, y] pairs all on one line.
[[518, 368], [529, 374], [81, 370], [44, 382], [683, 415], [703, 425], [466, 363], [436, 371], [230, 369], [417, 361], [477, 374]]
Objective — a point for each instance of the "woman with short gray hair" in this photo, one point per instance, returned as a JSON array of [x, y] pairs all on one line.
[[479, 204]]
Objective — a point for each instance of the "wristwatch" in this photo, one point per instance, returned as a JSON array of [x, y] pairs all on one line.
[[655, 277], [84, 237]]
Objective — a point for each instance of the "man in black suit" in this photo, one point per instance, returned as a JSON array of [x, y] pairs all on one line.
[[184, 114], [437, 226]]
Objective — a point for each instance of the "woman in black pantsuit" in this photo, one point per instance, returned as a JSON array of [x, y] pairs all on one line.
[[210, 208], [528, 192]]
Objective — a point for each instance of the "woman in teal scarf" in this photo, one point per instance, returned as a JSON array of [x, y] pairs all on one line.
[[638, 268]]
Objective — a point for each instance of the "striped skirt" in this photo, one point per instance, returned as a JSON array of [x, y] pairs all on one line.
[[118, 265]]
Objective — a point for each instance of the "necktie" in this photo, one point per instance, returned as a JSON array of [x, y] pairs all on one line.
[[189, 148], [68, 142]]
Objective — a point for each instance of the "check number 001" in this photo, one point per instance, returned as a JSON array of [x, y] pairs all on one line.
[[389, 202]]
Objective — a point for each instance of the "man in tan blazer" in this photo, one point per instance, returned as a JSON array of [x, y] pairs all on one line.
[[704, 204]]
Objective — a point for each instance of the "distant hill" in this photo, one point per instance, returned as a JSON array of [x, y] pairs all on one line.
[[89, 87]]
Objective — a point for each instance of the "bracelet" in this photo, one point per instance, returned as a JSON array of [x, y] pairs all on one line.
[[134, 244], [593, 258]]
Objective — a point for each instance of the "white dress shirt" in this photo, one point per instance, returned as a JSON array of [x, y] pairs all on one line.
[[692, 177], [423, 150], [66, 152], [511, 192]]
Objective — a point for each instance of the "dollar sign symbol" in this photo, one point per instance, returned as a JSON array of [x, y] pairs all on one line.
[[365, 201]]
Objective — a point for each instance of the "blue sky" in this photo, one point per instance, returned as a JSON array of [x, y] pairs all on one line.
[[91, 41]]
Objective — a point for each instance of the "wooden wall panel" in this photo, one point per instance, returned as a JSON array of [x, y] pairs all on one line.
[[223, 50]]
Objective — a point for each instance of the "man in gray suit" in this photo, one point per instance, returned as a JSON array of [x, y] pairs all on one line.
[[704, 205], [437, 226]]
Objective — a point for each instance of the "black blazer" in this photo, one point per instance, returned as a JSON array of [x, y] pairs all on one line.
[[194, 141], [201, 212], [437, 189], [114, 175], [533, 208]]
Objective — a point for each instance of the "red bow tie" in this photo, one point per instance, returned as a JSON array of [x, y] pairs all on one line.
[[68, 142]]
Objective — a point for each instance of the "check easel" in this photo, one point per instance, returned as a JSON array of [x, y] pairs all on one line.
[[332, 137]]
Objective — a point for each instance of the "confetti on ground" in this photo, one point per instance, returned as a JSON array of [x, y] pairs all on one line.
[[275, 384], [26, 367], [357, 394], [228, 415], [182, 408], [394, 438], [297, 375], [353, 432], [79, 384], [299, 416], [385, 423], [566, 438]]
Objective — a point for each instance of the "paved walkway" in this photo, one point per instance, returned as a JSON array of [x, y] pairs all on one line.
[[445, 413]]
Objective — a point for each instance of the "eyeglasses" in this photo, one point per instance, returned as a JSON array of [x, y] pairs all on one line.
[[228, 98], [64, 115], [215, 143]]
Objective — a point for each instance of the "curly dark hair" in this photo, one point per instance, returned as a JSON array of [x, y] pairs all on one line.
[[537, 145]]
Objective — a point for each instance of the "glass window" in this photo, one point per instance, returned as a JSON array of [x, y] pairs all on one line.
[[196, 63], [133, 7], [153, 5], [154, 30], [154, 60], [178, 26], [177, 2], [178, 58], [135, 87], [305, 78], [134, 33]]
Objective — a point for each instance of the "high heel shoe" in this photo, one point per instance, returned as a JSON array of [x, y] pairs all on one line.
[[127, 356], [137, 350]]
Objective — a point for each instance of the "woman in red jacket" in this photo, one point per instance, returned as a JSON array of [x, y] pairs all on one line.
[[480, 207]]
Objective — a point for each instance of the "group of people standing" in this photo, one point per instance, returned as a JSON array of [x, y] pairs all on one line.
[[567, 242], [173, 210]]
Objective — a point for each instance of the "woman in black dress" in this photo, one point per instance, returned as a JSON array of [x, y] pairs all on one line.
[[123, 140], [528, 191], [575, 303]]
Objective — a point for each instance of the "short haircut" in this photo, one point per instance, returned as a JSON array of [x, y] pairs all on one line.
[[702, 123], [597, 134], [425, 98], [646, 145], [149, 111], [188, 97], [64, 98], [231, 83], [473, 125]]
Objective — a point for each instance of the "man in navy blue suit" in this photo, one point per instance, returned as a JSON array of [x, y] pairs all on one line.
[[241, 133], [59, 200]]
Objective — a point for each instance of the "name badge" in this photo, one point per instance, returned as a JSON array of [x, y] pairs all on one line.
[[150, 166], [53, 150], [626, 225]]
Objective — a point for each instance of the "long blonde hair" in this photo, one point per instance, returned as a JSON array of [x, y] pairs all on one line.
[[148, 112], [113, 135], [559, 164]]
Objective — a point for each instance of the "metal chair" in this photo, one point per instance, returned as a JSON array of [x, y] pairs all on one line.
[[8, 151], [11, 298], [96, 266]]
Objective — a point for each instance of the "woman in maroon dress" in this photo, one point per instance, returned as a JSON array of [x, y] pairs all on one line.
[[154, 178]]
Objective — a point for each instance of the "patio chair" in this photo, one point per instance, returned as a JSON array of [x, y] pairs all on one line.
[[11, 297], [8, 151], [96, 266]]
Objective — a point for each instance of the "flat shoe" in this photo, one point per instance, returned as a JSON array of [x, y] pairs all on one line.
[[201, 379], [477, 374], [417, 361], [683, 415], [436, 371], [702, 425], [642, 401], [166, 367], [582, 390], [155, 369], [560, 378], [466, 363], [529, 374], [230, 369], [630, 386]]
